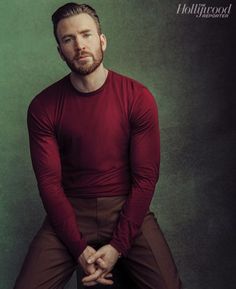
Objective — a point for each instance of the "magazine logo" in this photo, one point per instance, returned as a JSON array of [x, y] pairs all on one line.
[[204, 11]]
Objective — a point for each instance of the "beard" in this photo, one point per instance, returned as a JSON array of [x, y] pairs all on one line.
[[85, 67]]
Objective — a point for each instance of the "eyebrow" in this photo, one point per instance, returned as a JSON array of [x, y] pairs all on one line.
[[81, 32], [85, 31]]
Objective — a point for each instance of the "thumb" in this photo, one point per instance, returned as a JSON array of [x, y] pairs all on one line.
[[94, 257], [101, 263]]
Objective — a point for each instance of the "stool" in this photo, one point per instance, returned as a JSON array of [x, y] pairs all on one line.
[[120, 278]]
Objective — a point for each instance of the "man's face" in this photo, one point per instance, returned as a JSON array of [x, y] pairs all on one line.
[[80, 45]]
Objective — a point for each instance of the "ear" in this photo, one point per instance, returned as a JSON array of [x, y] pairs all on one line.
[[60, 52], [103, 42]]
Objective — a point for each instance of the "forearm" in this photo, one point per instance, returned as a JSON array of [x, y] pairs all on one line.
[[62, 217], [132, 216]]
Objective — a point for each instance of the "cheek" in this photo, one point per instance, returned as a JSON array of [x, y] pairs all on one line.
[[67, 51]]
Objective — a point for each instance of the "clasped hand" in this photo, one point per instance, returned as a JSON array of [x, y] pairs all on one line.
[[98, 264]]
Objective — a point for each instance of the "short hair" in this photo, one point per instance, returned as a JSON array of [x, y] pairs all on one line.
[[72, 9]]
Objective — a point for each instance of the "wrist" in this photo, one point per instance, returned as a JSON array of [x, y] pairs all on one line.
[[119, 254], [118, 246]]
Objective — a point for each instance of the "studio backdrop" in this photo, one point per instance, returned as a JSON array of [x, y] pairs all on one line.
[[182, 51]]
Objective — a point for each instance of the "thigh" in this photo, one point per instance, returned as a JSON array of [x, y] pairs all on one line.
[[150, 262], [48, 264]]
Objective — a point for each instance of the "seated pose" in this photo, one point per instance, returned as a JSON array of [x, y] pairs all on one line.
[[95, 149]]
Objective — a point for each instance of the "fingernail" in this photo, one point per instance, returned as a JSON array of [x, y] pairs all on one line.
[[90, 261]]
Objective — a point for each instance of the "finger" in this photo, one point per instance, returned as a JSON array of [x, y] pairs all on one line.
[[90, 283], [101, 263], [94, 257], [94, 276], [106, 275], [104, 281], [90, 269]]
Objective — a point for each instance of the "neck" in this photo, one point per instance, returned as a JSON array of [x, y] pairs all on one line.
[[90, 82]]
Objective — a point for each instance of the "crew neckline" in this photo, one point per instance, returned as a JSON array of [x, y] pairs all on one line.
[[91, 92]]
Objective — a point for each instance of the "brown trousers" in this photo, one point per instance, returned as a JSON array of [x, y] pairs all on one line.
[[49, 265]]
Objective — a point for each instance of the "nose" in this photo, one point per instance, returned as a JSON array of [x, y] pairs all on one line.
[[79, 43]]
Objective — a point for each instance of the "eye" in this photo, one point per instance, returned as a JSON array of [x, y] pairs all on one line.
[[87, 35], [67, 40]]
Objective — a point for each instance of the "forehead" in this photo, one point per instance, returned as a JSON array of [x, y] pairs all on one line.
[[75, 24]]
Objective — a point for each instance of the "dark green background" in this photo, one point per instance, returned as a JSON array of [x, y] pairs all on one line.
[[185, 61]]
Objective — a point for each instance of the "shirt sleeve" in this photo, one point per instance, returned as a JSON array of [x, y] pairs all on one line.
[[47, 167], [144, 163]]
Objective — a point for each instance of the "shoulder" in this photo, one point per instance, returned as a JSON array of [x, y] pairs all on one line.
[[126, 81], [48, 96], [136, 94], [135, 89]]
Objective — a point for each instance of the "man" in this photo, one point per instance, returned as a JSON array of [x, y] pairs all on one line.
[[94, 141]]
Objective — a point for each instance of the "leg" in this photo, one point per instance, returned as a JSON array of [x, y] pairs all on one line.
[[48, 263], [149, 261]]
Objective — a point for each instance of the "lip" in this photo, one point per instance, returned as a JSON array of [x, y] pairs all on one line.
[[82, 57]]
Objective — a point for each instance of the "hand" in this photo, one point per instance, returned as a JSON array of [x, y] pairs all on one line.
[[106, 257], [93, 268]]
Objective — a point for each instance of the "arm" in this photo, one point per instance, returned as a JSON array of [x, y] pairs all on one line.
[[47, 167], [144, 164]]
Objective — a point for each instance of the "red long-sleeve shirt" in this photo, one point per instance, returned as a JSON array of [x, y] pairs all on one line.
[[97, 144]]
